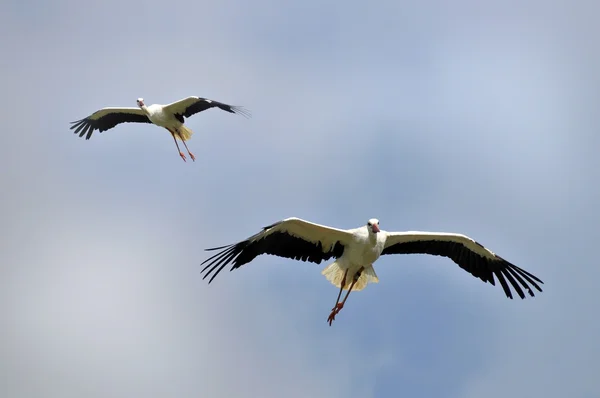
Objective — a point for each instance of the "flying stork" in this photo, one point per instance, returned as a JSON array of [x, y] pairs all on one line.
[[356, 250], [170, 116]]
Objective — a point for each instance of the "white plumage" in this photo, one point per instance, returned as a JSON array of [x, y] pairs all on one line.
[[170, 116], [356, 250]]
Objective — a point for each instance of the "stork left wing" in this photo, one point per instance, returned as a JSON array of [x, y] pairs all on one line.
[[191, 105], [468, 254]]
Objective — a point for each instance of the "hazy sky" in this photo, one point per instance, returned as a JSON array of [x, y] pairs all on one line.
[[453, 117]]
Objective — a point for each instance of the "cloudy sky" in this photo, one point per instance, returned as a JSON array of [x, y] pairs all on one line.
[[427, 115]]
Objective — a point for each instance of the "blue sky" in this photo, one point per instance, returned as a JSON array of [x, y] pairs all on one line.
[[429, 116]]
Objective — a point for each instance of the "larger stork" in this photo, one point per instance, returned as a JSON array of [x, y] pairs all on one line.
[[356, 250], [170, 116]]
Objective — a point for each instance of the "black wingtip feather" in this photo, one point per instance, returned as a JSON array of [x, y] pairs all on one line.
[[87, 126], [481, 267], [278, 244], [240, 110]]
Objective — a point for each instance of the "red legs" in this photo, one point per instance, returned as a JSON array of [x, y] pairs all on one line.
[[338, 307], [191, 154], [177, 145], [337, 302]]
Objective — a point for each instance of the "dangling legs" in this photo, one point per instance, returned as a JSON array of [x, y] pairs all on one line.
[[191, 154], [338, 307], [337, 302], [177, 145], [356, 277]]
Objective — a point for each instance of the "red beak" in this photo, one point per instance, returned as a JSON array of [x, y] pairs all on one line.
[[375, 228]]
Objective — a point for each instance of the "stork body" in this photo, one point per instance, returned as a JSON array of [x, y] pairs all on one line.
[[170, 117], [356, 250], [160, 116]]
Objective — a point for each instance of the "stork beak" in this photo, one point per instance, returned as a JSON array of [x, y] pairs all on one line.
[[375, 228]]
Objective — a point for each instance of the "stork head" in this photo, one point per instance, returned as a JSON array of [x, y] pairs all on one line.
[[373, 226], [140, 102]]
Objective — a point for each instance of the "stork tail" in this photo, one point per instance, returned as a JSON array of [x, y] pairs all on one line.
[[334, 274], [185, 133]]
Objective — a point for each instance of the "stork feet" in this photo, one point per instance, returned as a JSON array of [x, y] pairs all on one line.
[[334, 311], [183, 156]]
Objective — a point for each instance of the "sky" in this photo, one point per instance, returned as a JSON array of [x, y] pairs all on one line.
[[436, 116]]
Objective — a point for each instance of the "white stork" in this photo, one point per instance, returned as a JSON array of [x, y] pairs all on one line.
[[355, 251], [169, 116]]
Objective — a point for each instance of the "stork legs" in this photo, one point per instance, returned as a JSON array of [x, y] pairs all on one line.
[[338, 306], [177, 145], [191, 154]]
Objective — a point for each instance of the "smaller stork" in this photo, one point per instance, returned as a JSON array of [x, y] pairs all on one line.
[[170, 116]]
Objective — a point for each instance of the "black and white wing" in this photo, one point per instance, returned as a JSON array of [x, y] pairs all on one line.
[[191, 105], [290, 238], [107, 118], [470, 255]]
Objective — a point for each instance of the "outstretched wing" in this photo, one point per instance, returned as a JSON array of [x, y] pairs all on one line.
[[290, 238], [107, 118], [191, 105], [470, 255]]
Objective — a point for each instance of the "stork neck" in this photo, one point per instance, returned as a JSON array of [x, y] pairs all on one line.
[[145, 110]]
